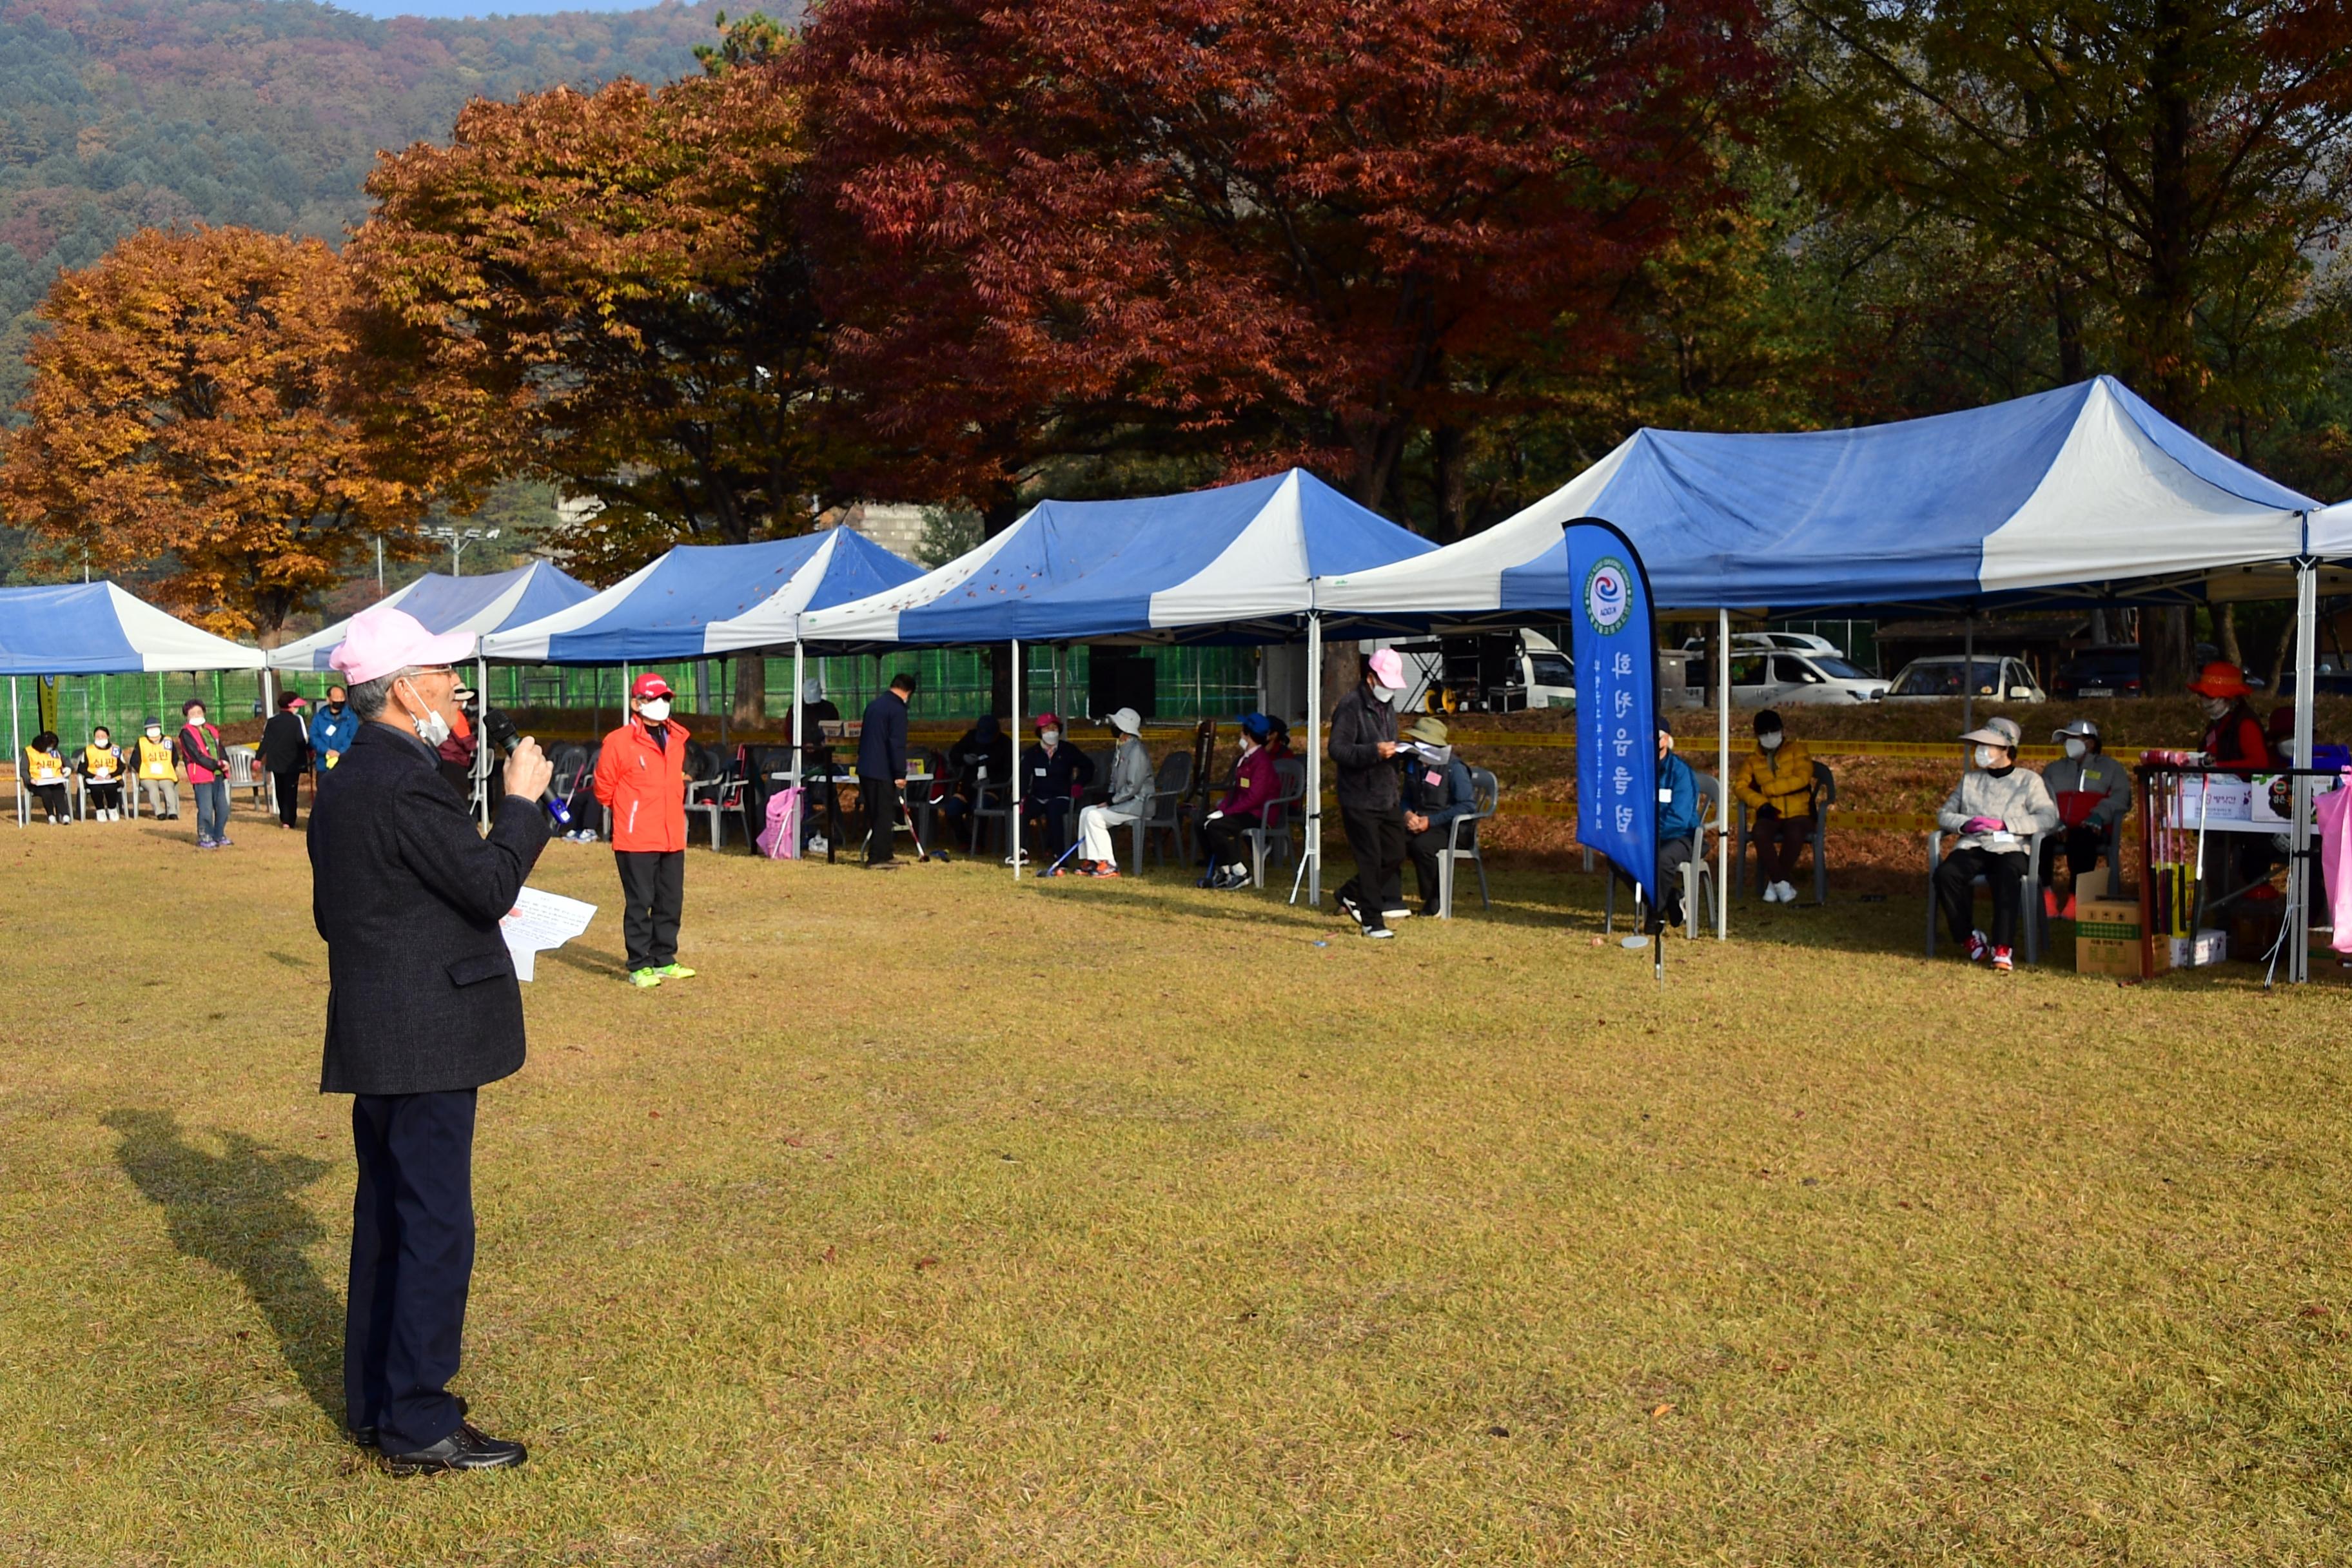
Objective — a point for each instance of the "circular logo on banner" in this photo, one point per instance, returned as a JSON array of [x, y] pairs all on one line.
[[1608, 594]]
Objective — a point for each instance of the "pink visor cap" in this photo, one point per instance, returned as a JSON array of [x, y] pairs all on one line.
[[386, 639], [1387, 669]]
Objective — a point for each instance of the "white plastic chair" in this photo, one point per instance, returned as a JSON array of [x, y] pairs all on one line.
[[1487, 794]]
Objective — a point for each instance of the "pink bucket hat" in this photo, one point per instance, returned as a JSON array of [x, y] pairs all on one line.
[[386, 639], [1387, 667]]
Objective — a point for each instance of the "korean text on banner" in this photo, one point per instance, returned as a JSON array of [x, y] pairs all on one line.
[[1616, 712]]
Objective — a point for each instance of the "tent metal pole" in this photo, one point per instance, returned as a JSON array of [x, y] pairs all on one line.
[[1314, 760], [1723, 772], [2306, 674], [1013, 785], [481, 740], [1968, 675], [15, 752], [799, 677]]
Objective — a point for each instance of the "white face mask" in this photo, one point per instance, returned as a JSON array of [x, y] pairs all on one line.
[[2075, 747], [1987, 757], [1770, 741], [1049, 738], [431, 728], [154, 731], [656, 711], [197, 718], [1385, 693]]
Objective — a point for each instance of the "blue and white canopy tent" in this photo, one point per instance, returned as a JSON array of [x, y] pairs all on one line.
[[95, 628], [2082, 495], [480, 605], [1234, 563]]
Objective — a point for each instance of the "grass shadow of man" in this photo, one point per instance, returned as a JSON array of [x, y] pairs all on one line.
[[238, 1210]]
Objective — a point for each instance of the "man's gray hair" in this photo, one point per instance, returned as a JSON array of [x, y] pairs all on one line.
[[368, 698]]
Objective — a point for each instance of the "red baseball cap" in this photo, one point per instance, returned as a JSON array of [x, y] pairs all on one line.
[[1049, 721], [649, 685]]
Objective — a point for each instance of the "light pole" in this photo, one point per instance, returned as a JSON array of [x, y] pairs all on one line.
[[457, 539]]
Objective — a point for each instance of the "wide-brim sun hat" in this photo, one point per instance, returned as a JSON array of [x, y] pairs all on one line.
[[1996, 732], [1431, 731], [1127, 721], [2221, 678], [384, 638]]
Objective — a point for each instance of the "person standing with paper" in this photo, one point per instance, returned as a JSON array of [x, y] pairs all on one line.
[[423, 1009]]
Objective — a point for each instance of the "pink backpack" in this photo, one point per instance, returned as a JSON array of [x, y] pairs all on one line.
[[781, 840]]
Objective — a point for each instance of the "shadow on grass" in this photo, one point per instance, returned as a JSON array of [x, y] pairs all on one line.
[[238, 1210]]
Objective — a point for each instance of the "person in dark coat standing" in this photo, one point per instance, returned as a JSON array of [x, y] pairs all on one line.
[[285, 754], [422, 1010], [1372, 814], [882, 768]]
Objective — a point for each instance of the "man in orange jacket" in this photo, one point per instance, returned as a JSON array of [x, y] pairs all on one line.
[[641, 777]]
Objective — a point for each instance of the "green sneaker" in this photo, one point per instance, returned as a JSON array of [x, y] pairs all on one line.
[[675, 971], [645, 979]]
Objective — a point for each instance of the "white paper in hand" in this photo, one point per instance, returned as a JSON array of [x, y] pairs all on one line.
[[541, 920]]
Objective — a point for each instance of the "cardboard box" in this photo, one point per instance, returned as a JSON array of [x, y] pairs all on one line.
[[2208, 946], [2106, 937]]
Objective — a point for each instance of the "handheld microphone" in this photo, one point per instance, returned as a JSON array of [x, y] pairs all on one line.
[[503, 734]]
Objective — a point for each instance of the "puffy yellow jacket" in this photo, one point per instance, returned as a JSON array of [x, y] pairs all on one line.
[[155, 760], [44, 767], [1781, 779]]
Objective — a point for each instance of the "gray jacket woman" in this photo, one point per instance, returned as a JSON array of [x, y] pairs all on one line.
[[1132, 784]]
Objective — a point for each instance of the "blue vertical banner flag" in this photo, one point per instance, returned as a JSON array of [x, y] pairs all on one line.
[[1616, 701]]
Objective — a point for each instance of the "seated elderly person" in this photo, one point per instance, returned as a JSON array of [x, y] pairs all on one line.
[[1994, 808], [1053, 775], [2092, 792], [1777, 783], [1127, 797], [1437, 793], [1252, 787], [1680, 823]]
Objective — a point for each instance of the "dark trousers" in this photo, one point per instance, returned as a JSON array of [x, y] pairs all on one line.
[[412, 1260], [1779, 843], [1222, 841], [1674, 854], [290, 791], [106, 797], [53, 801], [653, 896], [881, 798], [1051, 817], [1376, 838], [1955, 889], [2082, 846]]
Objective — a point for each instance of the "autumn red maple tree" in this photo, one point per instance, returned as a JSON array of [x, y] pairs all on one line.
[[195, 403], [1278, 229]]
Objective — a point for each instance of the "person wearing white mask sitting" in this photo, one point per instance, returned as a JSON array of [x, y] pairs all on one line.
[[1127, 797], [1994, 808], [1776, 784], [2092, 792], [1052, 776]]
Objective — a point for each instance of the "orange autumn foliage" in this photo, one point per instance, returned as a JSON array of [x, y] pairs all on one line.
[[195, 404]]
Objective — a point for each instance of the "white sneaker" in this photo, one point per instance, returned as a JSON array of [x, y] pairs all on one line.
[[1788, 894], [1396, 914], [1771, 892]]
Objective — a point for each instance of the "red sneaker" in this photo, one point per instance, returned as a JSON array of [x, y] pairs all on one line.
[[2002, 962], [1978, 948]]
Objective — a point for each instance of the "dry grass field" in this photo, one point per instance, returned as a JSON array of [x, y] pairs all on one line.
[[942, 1221]]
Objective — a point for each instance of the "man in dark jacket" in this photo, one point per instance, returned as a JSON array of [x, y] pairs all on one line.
[[882, 768], [285, 754], [1363, 751], [422, 1010]]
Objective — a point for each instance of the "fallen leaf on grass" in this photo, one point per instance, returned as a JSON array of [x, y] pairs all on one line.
[[1662, 1412], [926, 1261]]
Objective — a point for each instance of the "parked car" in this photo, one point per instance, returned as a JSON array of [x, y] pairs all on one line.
[[1783, 679], [1795, 642], [2110, 671], [1994, 675]]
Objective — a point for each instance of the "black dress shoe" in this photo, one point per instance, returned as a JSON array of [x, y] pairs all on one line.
[[464, 1449], [364, 1437]]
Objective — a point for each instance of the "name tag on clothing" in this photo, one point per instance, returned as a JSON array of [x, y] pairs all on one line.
[[1665, 797]]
